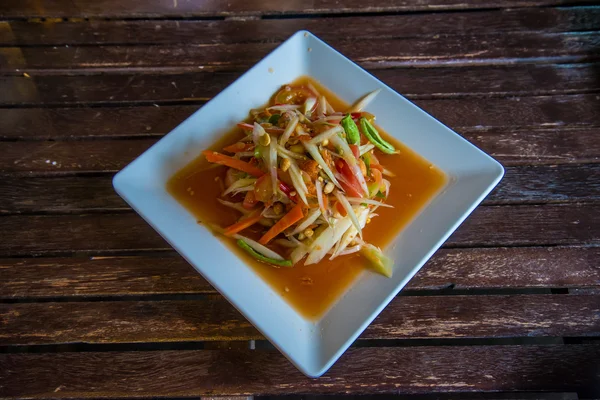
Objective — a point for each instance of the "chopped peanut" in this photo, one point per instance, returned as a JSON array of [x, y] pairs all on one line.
[[265, 139], [328, 188]]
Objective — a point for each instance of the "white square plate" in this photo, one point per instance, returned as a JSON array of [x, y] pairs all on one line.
[[312, 346]]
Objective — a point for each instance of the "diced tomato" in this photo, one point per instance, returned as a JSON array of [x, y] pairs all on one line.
[[350, 190], [249, 201], [352, 187], [263, 190], [340, 208], [355, 150]]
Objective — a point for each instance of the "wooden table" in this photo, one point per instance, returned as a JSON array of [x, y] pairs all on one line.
[[93, 303]]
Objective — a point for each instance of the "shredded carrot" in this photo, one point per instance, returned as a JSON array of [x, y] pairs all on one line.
[[250, 220], [289, 219], [218, 158], [239, 147]]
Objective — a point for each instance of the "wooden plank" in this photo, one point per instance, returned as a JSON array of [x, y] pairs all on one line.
[[151, 87], [546, 184], [513, 226], [63, 123], [167, 274], [79, 194], [462, 114], [186, 8], [108, 156], [359, 371], [60, 32], [505, 48], [214, 319]]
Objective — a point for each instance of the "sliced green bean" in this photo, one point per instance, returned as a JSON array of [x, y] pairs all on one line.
[[373, 136], [352, 133], [260, 257]]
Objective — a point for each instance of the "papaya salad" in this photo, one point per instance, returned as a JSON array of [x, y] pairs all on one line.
[[306, 179]]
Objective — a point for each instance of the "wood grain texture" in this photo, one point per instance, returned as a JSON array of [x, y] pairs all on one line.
[[514, 226], [148, 87], [169, 274], [359, 371], [60, 32], [188, 8], [505, 48], [109, 156], [521, 115], [214, 319], [564, 183]]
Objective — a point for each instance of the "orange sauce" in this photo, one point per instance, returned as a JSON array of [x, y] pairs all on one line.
[[313, 289]]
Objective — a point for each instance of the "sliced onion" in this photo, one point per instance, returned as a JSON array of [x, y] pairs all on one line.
[[389, 173], [309, 104], [350, 250], [387, 185], [239, 184], [348, 207], [351, 160], [314, 152], [298, 173], [297, 181], [322, 109], [272, 164], [235, 206], [319, 188], [298, 253], [284, 107], [327, 239], [359, 200], [308, 220], [257, 132], [328, 118], [364, 102], [265, 251], [350, 234], [285, 153], [288, 131], [366, 148], [326, 135]]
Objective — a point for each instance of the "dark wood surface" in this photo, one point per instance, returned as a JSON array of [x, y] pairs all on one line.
[[93, 303]]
